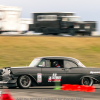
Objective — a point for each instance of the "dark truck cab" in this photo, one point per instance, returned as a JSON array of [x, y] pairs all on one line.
[[56, 23], [74, 25]]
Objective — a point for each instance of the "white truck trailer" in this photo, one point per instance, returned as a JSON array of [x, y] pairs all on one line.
[[24, 24], [11, 21], [9, 18]]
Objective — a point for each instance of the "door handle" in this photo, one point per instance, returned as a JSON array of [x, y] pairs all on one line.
[[63, 69]]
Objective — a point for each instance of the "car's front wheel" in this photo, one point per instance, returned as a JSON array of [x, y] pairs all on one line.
[[24, 82], [87, 81]]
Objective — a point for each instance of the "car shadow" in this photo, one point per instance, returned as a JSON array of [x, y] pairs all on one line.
[[28, 88]]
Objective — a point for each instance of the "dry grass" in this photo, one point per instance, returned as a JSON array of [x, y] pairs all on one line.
[[20, 51]]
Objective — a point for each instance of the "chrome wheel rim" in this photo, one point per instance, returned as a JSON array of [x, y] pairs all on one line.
[[87, 81], [25, 81]]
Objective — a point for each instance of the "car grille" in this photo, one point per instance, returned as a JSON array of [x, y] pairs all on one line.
[[1, 71], [1, 78]]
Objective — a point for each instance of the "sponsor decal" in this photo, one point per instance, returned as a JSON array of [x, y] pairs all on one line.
[[98, 72], [39, 77], [54, 78]]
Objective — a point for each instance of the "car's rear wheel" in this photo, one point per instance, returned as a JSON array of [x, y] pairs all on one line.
[[24, 82], [72, 32], [89, 33], [45, 31], [87, 81]]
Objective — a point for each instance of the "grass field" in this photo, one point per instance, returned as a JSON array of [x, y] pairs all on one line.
[[20, 51]]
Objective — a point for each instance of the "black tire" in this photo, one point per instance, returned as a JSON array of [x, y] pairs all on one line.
[[83, 34], [0, 32], [89, 33], [72, 32], [45, 31], [56, 34], [87, 81], [24, 82]]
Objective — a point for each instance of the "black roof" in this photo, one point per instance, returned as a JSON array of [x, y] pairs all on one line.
[[60, 57]]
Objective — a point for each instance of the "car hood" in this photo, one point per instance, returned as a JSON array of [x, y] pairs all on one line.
[[24, 70]]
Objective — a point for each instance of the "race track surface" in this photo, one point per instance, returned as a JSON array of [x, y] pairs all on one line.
[[48, 93]]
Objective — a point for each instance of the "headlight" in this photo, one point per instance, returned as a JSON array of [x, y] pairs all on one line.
[[9, 71], [6, 71]]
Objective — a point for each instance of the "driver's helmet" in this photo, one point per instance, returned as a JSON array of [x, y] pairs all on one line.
[[55, 63]]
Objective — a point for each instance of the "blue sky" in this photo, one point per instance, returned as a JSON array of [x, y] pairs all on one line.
[[87, 9]]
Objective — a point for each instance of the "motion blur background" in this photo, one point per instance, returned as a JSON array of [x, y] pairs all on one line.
[[20, 50], [87, 9]]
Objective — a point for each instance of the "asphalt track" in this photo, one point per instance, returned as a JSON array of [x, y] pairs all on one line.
[[48, 93]]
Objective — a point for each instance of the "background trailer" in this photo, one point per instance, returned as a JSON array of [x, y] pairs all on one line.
[[11, 21], [61, 22]]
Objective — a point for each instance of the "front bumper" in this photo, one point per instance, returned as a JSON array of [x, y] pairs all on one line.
[[10, 83]]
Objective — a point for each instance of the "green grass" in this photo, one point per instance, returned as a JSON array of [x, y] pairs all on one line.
[[20, 51]]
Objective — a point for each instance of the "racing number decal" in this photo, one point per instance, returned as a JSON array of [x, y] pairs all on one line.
[[54, 78]]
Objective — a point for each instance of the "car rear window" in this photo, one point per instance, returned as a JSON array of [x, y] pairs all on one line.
[[70, 64]]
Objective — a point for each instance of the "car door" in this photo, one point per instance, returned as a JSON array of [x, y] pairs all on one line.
[[51, 74], [72, 74]]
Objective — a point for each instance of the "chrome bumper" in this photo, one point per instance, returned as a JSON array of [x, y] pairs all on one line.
[[10, 83]]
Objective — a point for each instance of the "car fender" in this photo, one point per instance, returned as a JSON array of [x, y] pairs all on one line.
[[90, 77], [33, 79]]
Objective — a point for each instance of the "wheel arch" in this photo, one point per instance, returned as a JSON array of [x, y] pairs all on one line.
[[34, 82], [94, 79]]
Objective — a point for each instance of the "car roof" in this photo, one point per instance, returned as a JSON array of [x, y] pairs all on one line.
[[60, 58]]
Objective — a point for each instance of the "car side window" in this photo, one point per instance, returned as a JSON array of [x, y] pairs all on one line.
[[69, 64], [48, 64], [55, 63], [42, 63]]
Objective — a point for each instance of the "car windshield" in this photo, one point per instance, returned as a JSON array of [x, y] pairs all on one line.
[[34, 62]]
